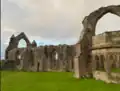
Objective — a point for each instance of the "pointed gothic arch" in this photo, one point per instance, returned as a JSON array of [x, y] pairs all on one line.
[[14, 41], [22, 44], [24, 37]]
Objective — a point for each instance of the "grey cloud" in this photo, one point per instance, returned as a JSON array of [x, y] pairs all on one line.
[[53, 19], [46, 21]]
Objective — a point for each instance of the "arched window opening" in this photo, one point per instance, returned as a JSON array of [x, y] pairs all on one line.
[[22, 44], [97, 62], [102, 59], [18, 59], [108, 22], [38, 65], [111, 57], [96, 57]]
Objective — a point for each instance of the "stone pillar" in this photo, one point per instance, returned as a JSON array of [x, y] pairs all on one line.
[[118, 61], [76, 67], [49, 63], [70, 63], [60, 54], [58, 64], [79, 67], [40, 66], [107, 64], [66, 65], [94, 63], [89, 65], [80, 62]]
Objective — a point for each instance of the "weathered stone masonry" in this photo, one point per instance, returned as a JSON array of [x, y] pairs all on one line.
[[42, 58], [84, 48]]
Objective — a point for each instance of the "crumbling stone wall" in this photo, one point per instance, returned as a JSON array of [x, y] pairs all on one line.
[[43, 58], [26, 59], [40, 62]]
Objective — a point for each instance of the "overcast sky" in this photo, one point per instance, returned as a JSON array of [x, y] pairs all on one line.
[[52, 21]]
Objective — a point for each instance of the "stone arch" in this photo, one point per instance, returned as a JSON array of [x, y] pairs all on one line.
[[24, 37], [102, 59], [13, 43], [89, 25]]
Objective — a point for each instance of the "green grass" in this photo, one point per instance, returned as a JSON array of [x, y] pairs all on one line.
[[115, 70], [51, 81]]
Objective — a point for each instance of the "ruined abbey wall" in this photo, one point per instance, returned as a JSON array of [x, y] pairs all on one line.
[[84, 57], [43, 58]]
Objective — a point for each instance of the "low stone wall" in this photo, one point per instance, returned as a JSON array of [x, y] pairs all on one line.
[[115, 76], [107, 78]]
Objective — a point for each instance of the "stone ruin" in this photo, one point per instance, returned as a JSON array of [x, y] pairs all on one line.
[[84, 61], [42, 58], [84, 64], [82, 58]]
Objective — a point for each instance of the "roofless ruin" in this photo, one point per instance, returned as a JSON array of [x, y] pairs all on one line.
[[84, 58]]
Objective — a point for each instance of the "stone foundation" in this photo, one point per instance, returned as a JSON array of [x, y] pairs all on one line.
[[107, 78]]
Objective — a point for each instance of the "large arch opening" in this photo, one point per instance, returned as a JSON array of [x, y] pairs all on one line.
[[22, 44], [108, 22], [97, 62], [23, 39]]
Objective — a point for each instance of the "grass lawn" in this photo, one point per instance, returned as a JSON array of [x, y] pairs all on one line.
[[50, 81], [115, 70]]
